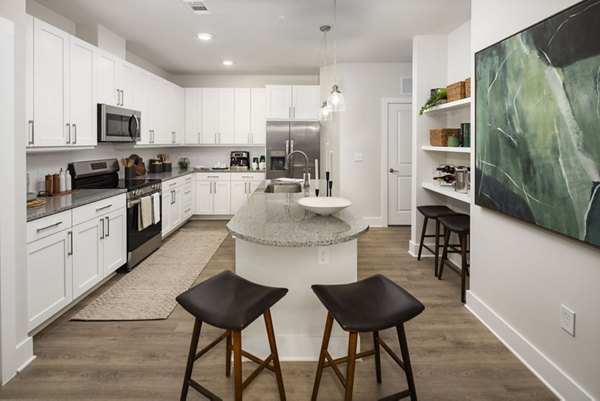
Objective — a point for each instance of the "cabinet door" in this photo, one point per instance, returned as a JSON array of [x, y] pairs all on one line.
[[126, 82], [222, 197], [49, 277], [178, 115], [50, 85], [306, 102], [226, 116], [87, 255], [258, 121], [166, 213], [279, 101], [242, 119], [108, 70], [82, 84], [114, 243], [192, 115], [209, 106], [239, 195], [204, 197], [176, 207], [150, 120]]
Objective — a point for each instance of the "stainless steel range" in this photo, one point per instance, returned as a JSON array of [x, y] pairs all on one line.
[[96, 174]]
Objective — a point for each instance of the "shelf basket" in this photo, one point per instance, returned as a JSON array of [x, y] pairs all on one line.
[[439, 136], [456, 91], [468, 87]]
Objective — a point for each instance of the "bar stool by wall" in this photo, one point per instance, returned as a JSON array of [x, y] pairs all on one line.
[[432, 212], [459, 224], [370, 305], [230, 302]]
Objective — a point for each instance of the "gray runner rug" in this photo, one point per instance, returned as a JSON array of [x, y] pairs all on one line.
[[148, 292]]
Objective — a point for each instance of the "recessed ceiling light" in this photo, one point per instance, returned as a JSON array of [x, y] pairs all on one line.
[[227, 62], [282, 17], [204, 36]]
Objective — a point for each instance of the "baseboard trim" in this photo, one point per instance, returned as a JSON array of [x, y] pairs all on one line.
[[553, 377], [375, 221], [413, 250], [24, 354]]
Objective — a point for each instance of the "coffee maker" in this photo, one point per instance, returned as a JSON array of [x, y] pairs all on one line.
[[240, 161]]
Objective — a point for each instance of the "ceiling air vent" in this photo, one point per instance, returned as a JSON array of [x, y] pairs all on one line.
[[197, 7]]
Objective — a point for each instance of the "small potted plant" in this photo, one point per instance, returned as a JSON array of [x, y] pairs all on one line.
[[438, 96]]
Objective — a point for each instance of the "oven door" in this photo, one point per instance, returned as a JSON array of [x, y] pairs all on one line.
[[135, 236]]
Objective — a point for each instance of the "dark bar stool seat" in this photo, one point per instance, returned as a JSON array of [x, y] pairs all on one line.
[[370, 305], [432, 212], [230, 302], [461, 225]]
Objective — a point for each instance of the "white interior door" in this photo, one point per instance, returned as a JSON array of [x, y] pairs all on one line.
[[399, 163]]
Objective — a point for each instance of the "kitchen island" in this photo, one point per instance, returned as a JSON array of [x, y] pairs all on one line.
[[279, 243]]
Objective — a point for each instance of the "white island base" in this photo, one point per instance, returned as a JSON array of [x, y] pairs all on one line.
[[299, 317]]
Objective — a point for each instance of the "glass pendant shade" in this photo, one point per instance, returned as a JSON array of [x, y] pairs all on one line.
[[326, 112], [336, 100]]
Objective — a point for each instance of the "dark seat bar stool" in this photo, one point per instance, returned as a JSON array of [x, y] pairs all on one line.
[[459, 224], [432, 212], [370, 305], [230, 302]]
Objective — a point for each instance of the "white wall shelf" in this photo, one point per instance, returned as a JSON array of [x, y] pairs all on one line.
[[457, 105], [447, 191], [446, 149]]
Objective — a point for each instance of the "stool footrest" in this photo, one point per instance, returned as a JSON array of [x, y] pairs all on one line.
[[204, 391], [256, 359], [345, 358], [397, 396], [263, 364], [210, 346], [391, 353]]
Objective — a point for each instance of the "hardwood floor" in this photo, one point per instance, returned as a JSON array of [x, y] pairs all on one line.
[[454, 357]]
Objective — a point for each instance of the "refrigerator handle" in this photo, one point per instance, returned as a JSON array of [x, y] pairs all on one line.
[[291, 145], [287, 147]]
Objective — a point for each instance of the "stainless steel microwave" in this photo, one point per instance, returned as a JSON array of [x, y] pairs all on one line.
[[117, 124]]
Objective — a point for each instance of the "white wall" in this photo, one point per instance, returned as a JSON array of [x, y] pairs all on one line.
[[16, 348], [45, 14], [459, 53], [520, 275], [363, 86]]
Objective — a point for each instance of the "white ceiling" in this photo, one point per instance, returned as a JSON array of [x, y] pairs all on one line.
[[266, 36]]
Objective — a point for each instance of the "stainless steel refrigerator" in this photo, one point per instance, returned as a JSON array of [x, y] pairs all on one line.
[[283, 137]]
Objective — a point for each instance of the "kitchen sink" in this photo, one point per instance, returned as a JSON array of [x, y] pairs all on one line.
[[280, 187]]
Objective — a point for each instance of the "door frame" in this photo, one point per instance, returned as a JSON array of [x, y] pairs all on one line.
[[385, 102]]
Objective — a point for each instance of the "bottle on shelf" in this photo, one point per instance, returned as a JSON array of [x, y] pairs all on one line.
[[68, 181]]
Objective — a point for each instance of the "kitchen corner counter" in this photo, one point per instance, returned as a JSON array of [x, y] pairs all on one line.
[[60, 203], [276, 219], [169, 175]]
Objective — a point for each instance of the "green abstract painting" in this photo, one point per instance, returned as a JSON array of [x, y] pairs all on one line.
[[537, 120]]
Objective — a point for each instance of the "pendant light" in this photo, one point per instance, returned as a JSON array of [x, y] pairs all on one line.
[[325, 112], [335, 100]]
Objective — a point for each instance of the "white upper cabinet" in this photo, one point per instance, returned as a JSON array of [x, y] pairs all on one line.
[[193, 115], [243, 107], [258, 117], [226, 113], [118, 81], [218, 111], [293, 102], [61, 89]]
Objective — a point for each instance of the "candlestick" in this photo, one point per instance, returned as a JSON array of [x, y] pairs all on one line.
[[326, 183], [317, 192], [331, 163], [330, 188], [317, 172]]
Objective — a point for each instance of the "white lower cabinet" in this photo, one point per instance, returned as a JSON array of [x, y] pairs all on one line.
[[213, 191], [49, 277], [70, 252], [177, 201], [242, 186]]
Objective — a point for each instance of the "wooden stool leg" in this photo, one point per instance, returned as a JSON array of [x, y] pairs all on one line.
[[423, 229], [351, 365], [463, 267], [377, 356], [324, 345], [406, 360], [445, 252], [273, 345], [191, 358], [437, 246], [237, 364], [228, 354]]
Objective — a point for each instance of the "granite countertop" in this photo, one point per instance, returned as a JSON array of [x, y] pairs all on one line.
[[60, 203], [278, 220], [179, 172]]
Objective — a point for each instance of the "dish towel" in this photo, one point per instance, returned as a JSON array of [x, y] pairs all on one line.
[[145, 213], [155, 208]]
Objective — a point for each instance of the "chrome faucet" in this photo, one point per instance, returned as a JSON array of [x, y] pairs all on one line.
[[306, 185]]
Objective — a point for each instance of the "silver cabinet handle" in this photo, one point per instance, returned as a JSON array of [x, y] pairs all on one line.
[[291, 145], [107, 226], [171, 185], [70, 248], [199, 139], [213, 176], [31, 132], [246, 176], [172, 137], [102, 232], [290, 111], [188, 179], [74, 133], [187, 192], [50, 226], [103, 208], [187, 210], [122, 97], [219, 137], [118, 97], [287, 147], [394, 171], [215, 137], [69, 130]]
